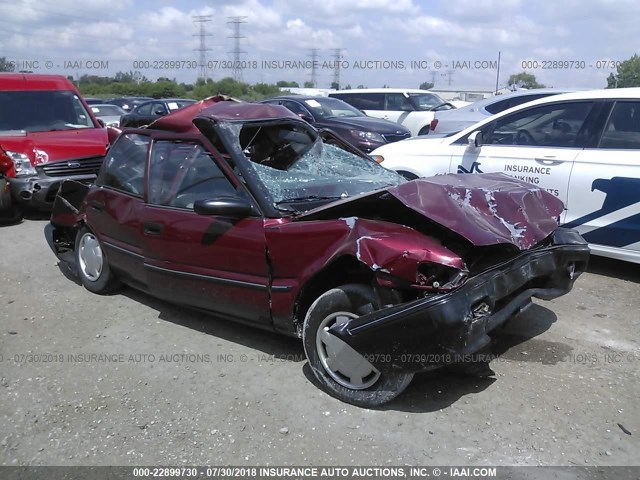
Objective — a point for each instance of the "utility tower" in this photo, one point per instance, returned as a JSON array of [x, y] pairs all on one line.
[[237, 65], [202, 64], [337, 55], [449, 75], [314, 73]]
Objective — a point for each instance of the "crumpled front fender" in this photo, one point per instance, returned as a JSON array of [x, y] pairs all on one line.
[[399, 253]]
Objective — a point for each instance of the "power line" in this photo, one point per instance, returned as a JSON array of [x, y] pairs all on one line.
[[202, 20], [314, 74], [337, 55], [449, 74], [237, 65]]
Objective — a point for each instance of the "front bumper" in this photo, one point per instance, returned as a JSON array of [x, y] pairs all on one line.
[[39, 191], [448, 328]]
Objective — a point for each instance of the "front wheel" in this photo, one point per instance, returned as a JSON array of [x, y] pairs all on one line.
[[341, 370], [93, 268]]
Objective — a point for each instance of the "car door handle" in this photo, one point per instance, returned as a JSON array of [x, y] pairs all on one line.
[[151, 228], [97, 206], [549, 161]]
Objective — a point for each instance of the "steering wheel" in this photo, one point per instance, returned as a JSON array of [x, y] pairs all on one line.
[[524, 137]]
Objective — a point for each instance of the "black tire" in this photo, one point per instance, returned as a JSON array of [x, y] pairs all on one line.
[[424, 130], [357, 300], [12, 216], [104, 281]]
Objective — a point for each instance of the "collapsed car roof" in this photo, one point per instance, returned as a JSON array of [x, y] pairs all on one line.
[[220, 108]]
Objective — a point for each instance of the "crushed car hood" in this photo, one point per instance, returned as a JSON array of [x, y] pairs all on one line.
[[485, 209]]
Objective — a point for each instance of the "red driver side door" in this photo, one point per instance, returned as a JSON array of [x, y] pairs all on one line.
[[205, 261]]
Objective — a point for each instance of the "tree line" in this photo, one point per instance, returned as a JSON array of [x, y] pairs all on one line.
[[132, 83]]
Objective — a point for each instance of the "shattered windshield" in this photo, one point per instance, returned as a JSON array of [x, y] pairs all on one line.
[[296, 168]]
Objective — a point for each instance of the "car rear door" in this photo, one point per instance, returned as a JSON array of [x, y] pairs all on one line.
[[397, 107], [371, 104], [604, 189], [204, 261], [537, 145], [115, 209]]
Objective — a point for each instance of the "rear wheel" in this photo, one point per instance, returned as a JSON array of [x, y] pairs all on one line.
[[93, 267], [341, 370], [424, 130]]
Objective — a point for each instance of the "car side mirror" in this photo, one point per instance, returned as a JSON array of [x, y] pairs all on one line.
[[101, 122], [475, 140], [159, 111], [305, 117], [224, 206]]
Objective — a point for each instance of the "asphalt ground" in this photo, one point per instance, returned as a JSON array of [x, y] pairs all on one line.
[[127, 379]]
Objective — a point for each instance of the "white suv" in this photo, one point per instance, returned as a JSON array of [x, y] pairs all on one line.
[[583, 147], [409, 107]]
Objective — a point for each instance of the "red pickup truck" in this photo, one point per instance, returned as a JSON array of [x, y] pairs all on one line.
[[47, 135]]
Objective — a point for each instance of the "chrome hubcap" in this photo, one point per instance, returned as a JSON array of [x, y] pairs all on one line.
[[90, 256], [341, 362]]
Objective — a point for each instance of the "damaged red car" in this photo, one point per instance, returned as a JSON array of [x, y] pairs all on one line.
[[243, 210]]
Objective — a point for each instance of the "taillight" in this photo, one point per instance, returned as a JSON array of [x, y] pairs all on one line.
[[434, 124], [7, 167]]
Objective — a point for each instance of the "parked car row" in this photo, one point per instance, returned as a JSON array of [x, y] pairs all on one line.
[[415, 109], [125, 103], [135, 111], [146, 112], [366, 133], [581, 147]]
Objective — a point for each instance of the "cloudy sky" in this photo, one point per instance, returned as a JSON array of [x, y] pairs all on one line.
[[398, 43]]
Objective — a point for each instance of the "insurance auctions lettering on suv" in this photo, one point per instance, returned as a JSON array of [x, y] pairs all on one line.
[[47, 135], [582, 147]]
